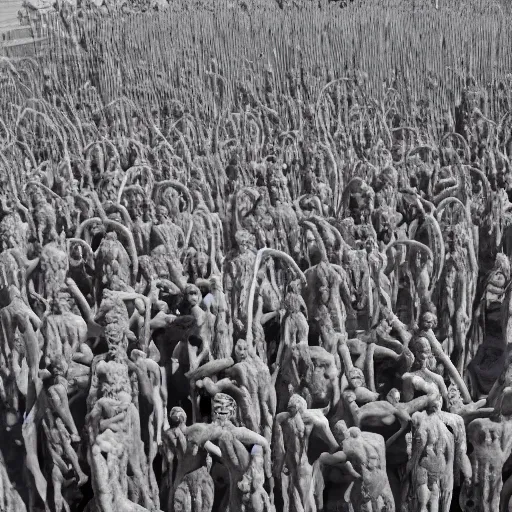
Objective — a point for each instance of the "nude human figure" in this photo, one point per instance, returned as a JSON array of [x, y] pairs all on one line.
[[292, 433]]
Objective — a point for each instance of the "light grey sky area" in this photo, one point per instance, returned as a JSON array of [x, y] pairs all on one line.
[[9, 14]]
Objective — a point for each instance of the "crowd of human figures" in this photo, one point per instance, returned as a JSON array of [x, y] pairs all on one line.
[[303, 311]]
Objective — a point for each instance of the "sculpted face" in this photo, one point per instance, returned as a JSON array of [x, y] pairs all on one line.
[[437, 404], [296, 404], [393, 396], [96, 228], [193, 295], [244, 241], [136, 355], [215, 283], [428, 321], [385, 327], [114, 337], [325, 372], [177, 416], [241, 351], [340, 431], [223, 407], [202, 264], [369, 244], [357, 378], [422, 351], [454, 397], [273, 191], [38, 198], [261, 209], [161, 214]]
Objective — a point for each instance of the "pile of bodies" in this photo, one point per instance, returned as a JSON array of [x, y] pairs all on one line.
[[273, 314]]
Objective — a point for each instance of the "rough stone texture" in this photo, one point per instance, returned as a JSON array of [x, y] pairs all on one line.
[[275, 304]]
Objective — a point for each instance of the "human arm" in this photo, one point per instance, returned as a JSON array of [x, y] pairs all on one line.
[[204, 353], [84, 355], [92, 421], [161, 321], [213, 449], [145, 388], [322, 429], [340, 461], [407, 387], [398, 326], [419, 443], [112, 423], [278, 449]]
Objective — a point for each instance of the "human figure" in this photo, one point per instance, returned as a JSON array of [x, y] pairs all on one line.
[[437, 456], [291, 440]]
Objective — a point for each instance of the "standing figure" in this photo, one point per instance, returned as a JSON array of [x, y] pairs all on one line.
[[216, 303], [285, 219], [255, 497], [110, 428], [251, 387], [167, 236], [174, 446], [435, 462], [492, 444], [237, 278], [291, 440], [365, 452]]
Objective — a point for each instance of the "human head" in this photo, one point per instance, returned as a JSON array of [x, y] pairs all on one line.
[[274, 188], [260, 207], [292, 303], [357, 377], [114, 380], [202, 260], [58, 367], [161, 213], [454, 396], [420, 348], [116, 216], [241, 351], [177, 416], [244, 240], [503, 264], [215, 283], [436, 404], [428, 321], [192, 295], [384, 327], [62, 301], [370, 244], [393, 396], [115, 337], [223, 408], [340, 431], [137, 354], [296, 404], [38, 197]]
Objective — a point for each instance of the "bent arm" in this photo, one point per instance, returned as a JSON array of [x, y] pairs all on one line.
[[213, 449]]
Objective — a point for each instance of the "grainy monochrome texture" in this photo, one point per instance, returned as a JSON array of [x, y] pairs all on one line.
[[255, 256]]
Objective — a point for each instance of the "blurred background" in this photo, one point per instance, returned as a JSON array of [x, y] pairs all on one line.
[[9, 14]]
